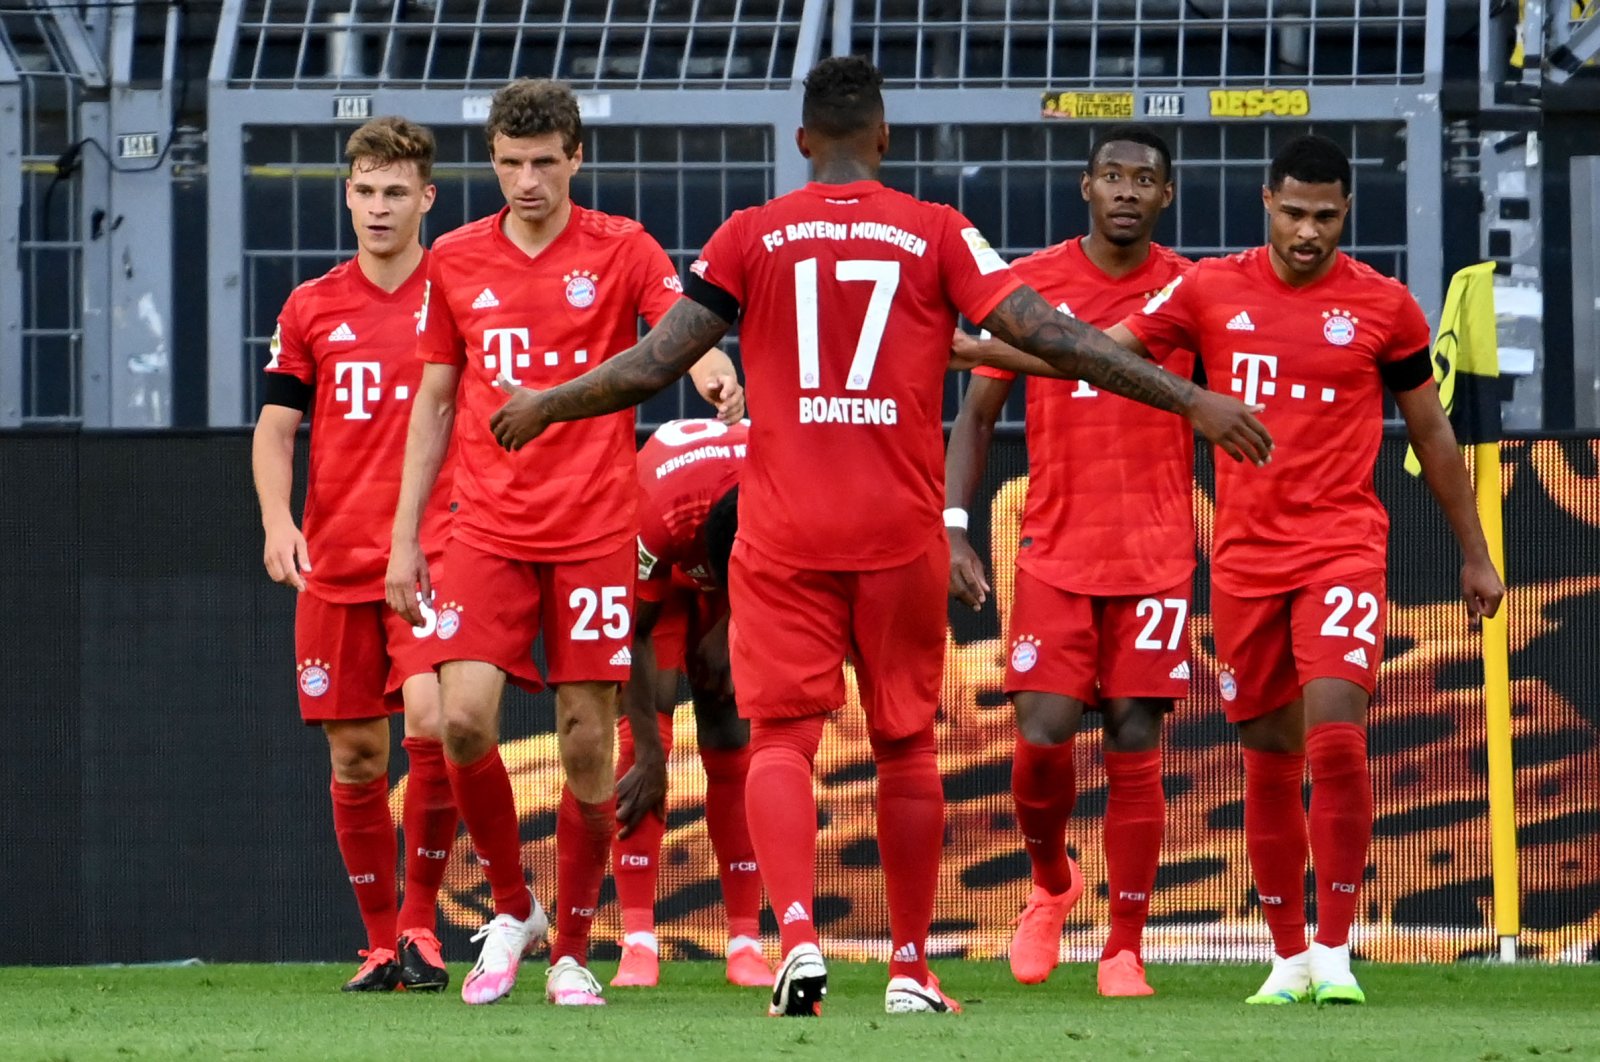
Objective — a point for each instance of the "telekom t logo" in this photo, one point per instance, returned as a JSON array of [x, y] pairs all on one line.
[[358, 385], [505, 350], [1253, 385]]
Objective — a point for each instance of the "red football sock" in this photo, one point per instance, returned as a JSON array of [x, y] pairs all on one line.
[[1341, 824], [1275, 837], [636, 858], [583, 840], [483, 793], [730, 838], [430, 819], [910, 839], [365, 830], [1136, 812], [1044, 787], [781, 807]]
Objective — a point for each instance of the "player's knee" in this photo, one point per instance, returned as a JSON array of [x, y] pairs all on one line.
[[466, 739], [1046, 720], [357, 757], [586, 751], [718, 726], [1133, 727]]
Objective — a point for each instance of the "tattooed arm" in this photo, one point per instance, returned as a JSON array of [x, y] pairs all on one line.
[[645, 369], [1077, 350]]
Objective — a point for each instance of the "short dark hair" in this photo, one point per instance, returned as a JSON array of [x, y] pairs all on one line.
[[385, 141], [1131, 134], [722, 524], [535, 107], [843, 96], [1310, 159]]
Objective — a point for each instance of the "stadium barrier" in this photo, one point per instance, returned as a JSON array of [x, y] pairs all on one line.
[[163, 801]]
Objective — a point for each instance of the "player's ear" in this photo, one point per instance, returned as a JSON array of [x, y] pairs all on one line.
[[1168, 191], [430, 192], [1083, 185], [800, 142], [1266, 197], [883, 139], [577, 158]]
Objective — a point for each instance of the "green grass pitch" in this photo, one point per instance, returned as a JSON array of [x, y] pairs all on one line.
[[1483, 1012]]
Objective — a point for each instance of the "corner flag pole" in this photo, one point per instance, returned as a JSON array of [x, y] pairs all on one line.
[[1497, 708], [1466, 367]]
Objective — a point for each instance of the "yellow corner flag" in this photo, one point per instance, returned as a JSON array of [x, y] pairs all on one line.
[[1466, 360], [1466, 366]]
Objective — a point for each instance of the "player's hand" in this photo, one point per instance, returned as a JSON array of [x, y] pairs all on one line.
[[643, 790], [1481, 588], [724, 391], [1232, 425], [964, 352], [967, 581], [285, 555], [406, 582], [519, 421]]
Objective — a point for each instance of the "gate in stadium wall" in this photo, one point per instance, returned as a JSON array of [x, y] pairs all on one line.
[[167, 803], [691, 109]]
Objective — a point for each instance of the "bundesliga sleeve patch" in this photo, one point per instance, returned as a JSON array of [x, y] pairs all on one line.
[[986, 258]]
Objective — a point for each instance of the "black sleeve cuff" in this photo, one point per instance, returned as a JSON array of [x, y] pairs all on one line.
[[1409, 373], [712, 297], [281, 389]]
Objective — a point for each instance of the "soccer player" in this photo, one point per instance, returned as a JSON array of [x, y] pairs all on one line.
[[345, 346], [688, 512], [1298, 568], [849, 292], [542, 540], [1103, 570]]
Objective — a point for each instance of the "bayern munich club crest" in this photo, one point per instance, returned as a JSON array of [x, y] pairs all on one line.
[[449, 620], [314, 680], [1339, 327], [1227, 685], [581, 289], [1024, 653]]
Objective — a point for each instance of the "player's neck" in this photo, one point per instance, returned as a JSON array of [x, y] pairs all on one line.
[[531, 237], [842, 169], [1113, 259], [1299, 280], [389, 272]]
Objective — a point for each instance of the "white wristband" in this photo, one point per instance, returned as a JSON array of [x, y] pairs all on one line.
[[955, 518]]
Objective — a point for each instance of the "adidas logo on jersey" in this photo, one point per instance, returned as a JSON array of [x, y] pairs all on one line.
[[622, 658], [906, 952], [1241, 323], [342, 334], [795, 913], [1356, 656], [485, 300], [1180, 672]]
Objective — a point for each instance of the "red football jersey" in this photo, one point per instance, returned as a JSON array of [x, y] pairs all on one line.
[[849, 294], [683, 469], [1312, 355], [355, 345], [1110, 508], [493, 311]]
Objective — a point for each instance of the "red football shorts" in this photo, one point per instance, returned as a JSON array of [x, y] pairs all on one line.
[[687, 615], [1270, 647], [791, 630], [351, 660], [1092, 648], [498, 606]]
